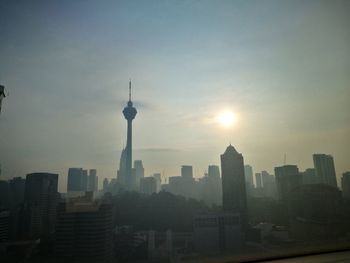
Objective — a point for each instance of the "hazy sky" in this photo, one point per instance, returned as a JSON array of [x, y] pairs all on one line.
[[283, 67]]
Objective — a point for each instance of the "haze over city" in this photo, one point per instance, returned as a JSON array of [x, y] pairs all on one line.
[[271, 64]]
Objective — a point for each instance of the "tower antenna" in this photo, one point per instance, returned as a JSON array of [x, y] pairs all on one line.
[[285, 159], [130, 90]]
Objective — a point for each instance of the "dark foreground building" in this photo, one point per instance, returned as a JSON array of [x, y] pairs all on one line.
[[234, 198], [84, 231]]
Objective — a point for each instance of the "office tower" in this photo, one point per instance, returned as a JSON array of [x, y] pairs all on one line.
[[234, 198], [309, 176], [288, 178], [139, 173], [5, 198], [129, 114], [187, 172], [4, 225], [75, 178], [258, 180], [248, 174], [92, 181], [84, 231], [269, 185], [105, 185], [325, 171], [345, 185], [214, 171], [158, 178], [84, 181], [213, 185], [40, 200], [148, 185], [217, 233], [17, 188]]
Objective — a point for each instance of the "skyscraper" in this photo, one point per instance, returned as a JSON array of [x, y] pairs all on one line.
[[84, 231], [325, 171], [258, 180], [345, 185], [186, 171], [234, 197], [75, 179], [41, 199], [288, 178], [248, 173], [92, 181], [129, 114], [139, 172]]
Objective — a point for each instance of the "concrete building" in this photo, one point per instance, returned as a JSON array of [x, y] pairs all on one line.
[[309, 176], [345, 185], [139, 173], [75, 180], [217, 233], [187, 172], [325, 170], [93, 180], [258, 180], [158, 178], [84, 231], [40, 203], [287, 179], [4, 225], [148, 185], [234, 197]]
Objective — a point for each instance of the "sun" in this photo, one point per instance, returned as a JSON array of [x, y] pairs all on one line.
[[226, 118]]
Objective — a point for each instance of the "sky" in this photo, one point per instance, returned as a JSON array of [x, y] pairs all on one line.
[[282, 67]]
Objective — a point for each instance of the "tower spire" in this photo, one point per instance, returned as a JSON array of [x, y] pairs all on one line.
[[129, 89]]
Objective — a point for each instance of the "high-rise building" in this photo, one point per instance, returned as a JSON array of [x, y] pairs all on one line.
[[287, 179], [92, 181], [40, 201], [84, 181], [17, 188], [345, 185], [84, 231], [309, 176], [269, 185], [325, 171], [187, 171], [248, 174], [158, 178], [214, 171], [139, 172], [148, 185], [129, 114], [258, 180], [4, 225], [234, 197], [105, 185], [75, 178]]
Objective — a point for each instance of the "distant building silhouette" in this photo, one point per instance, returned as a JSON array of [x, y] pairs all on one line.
[[105, 185], [248, 174], [84, 181], [217, 233], [41, 200], [309, 176], [234, 197], [84, 231], [325, 171], [157, 177], [4, 225], [187, 172], [345, 185], [148, 185], [139, 173], [287, 179], [93, 180], [75, 180], [258, 180]]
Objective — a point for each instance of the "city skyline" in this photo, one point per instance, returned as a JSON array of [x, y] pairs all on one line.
[[67, 85]]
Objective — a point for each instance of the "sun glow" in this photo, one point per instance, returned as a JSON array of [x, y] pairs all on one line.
[[226, 118]]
